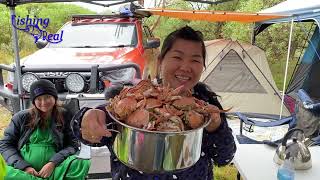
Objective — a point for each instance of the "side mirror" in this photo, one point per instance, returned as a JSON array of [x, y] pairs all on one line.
[[41, 44], [152, 43]]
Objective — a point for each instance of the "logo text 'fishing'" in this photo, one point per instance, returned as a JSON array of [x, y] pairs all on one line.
[[36, 27]]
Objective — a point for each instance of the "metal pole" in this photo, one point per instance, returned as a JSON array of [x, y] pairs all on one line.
[[253, 36], [16, 57], [286, 71]]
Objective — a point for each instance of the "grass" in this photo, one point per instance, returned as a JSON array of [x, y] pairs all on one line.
[[5, 58], [225, 173], [5, 117], [278, 70]]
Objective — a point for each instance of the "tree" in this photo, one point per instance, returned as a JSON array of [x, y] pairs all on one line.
[[58, 14]]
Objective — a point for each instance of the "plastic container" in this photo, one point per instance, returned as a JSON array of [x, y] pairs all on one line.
[[286, 170]]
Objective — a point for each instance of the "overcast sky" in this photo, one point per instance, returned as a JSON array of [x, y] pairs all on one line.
[[96, 8]]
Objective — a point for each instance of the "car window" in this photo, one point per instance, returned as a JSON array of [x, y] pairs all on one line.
[[97, 35]]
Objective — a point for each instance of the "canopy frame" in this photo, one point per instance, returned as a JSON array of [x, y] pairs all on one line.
[[214, 16]]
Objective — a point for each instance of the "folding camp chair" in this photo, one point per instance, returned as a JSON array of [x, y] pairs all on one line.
[[86, 152], [306, 117]]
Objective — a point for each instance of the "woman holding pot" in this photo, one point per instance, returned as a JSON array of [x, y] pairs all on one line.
[[38, 143], [181, 62]]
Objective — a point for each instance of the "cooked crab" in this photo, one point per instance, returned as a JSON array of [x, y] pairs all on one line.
[[157, 108]]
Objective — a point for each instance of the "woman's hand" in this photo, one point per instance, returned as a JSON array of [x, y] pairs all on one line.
[[31, 171], [215, 119], [47, 169], [93, 126]]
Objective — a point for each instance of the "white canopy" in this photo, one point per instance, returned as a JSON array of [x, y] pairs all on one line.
[[294, 6], [300, 10]]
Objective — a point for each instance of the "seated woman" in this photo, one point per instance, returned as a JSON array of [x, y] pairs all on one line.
[[38, 143]]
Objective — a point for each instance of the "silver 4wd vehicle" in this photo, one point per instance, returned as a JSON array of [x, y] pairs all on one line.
[[96, 52]]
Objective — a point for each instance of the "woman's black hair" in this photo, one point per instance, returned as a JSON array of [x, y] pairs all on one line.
[[203, 91], [186, 33]]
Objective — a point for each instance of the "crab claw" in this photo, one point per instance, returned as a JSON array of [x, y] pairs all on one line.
[[178, 90]]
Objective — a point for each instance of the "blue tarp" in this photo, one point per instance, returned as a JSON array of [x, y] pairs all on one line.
[[307, 74]]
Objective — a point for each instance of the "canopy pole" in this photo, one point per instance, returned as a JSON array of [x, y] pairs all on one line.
[[16, 57], [253, 36], [286, 71]]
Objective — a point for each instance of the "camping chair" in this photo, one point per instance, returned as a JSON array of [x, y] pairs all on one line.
[[306, 117]]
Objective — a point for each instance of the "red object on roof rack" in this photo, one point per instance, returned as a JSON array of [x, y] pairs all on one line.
[[84, 19], [96, 16]]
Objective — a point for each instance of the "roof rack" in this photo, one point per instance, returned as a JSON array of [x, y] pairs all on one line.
[[209, 2], [127, 11], [79, 17]]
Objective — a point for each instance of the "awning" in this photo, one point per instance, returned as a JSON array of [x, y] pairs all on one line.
[[214, 16], [303, 10]]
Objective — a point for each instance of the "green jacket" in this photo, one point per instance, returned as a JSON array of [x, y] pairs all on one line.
[[2, 168]]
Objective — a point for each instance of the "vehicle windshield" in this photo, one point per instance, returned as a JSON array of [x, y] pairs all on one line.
[[97, 35]]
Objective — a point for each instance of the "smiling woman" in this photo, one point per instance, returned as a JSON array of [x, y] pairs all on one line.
[[180, 67], [180, 64]]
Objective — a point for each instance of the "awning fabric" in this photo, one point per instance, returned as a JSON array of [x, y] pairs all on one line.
[[214, 16], [300, 10]]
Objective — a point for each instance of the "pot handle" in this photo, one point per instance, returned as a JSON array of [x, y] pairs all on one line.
[[289, 134], [112, 130]]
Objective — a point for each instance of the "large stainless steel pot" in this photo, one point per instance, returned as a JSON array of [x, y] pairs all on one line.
[[156, 152]]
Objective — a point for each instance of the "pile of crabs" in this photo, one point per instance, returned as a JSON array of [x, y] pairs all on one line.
[[158, 108]]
